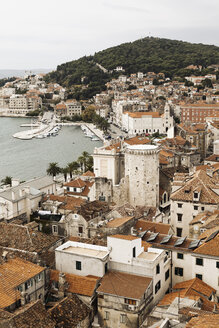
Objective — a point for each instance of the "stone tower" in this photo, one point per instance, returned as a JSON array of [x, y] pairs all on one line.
[[142, 175]]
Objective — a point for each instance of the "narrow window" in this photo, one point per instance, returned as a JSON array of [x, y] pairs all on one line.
[[179, 232], [179, 217], [134, 252], [157, 286], [167, 274], [78, 265], [106, 315]]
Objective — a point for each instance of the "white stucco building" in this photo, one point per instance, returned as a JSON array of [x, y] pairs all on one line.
[[147, 122], [190, 258], [25, 197], [128, 255], [82, 259]]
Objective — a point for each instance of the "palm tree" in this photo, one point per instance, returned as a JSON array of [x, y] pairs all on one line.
[[65, 171], [90, 163], [7, 180], [81, 163], [82, 160], [53, 169], [72, 167]]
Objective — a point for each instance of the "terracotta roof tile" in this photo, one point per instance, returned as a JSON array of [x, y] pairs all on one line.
[[77, 284], [69, 312], [206, 185], [195, 285], [213, 158], [88, 174], [115, 223], [125, 237], [208, 232], [204, 321], [137, 140], [140, 114], [23, 238], [210, 247], [12, 274], [70, 203], [77, 183], [124, 284], [32, 315], [153, 226]]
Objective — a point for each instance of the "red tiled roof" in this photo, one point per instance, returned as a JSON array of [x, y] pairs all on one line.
[[77, 284], [77, 183], [153, 226], [124, 285]]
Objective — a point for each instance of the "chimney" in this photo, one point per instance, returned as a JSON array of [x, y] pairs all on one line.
[[63, 286], [12, 195], [15, 182], [21, 192], [27, 190], [23, 298], [215, 309]]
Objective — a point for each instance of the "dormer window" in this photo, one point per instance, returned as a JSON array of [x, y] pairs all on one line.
[[196, 194]]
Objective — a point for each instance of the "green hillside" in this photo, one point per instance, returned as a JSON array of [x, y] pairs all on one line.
[[148, 54]]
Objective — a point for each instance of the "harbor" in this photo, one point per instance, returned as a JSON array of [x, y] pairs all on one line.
[[48, 126], [26, 159]]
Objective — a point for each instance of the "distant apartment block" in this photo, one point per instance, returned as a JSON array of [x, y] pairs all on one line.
[[73, 107], [20, 104], [197, 113]]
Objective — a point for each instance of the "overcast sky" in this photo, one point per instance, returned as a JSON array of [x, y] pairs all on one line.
[[46, 33]]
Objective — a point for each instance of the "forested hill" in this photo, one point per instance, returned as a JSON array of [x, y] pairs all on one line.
[[148, 54]]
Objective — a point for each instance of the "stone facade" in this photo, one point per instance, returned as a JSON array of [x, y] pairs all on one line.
[[142, 168]]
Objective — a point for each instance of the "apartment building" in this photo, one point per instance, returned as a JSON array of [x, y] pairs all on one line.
[[82, 259], [190, 258], [21, 282], [123, 299], [25, 197], [73, 107], [22, 104], [191, 195], [197, 113], [60, 110]]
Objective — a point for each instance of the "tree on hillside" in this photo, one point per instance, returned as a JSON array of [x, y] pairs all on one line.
[[88, 114], [207, 83], [53, 169]]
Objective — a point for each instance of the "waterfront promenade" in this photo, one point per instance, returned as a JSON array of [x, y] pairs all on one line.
[[46, 128]]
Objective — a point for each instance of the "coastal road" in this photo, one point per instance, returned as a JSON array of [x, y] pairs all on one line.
[[116, 132]]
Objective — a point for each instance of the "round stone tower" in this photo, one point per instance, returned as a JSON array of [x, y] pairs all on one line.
[[142, 174]]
